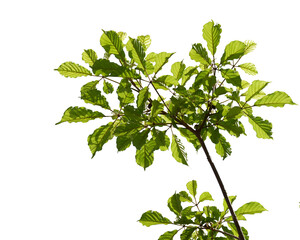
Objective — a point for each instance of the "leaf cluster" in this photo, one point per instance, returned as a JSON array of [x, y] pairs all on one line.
[[200, 102], [196, 221]]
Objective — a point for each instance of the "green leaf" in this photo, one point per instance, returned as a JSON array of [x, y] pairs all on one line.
[[192, 187], [79, 114], [250, 208], [127, 129], [223, 147], [124, 92], [201, 78], [248, 68], [122, 35], [89, 56], [205, 196], [169, 235], [233, 50], [144, 156], [255, 88], [212, 35], [161, 138], [234, 112], [184, 197], [107, 87], [135, 47], [199, 54], [190, 137], [142, 98], [112, 44], [145, 41], [250, 46], [188, 73], [174, 204], [276, 99], [123, 142], [187, 233], [178, 151], [91, 95], [177, 69], [140, 138], [73, 70], [150, 218], [232, 77], [156, 108], [263, 128], [161, 59], [99, 137]]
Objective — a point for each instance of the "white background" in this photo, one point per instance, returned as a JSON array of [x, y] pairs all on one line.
[[50, 188]]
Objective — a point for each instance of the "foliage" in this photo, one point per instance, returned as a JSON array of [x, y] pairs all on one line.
[[199, 221], [206, 101]]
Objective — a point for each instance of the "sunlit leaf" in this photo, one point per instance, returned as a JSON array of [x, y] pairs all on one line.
[[188, 73], [232, 77], [248, 68], [177, 70], [161, 59], [255, 88], [91, 95], [162, 140], [135, 47], [178, 151], [144, 156], [142, 98], [187, 233], [89, 56], [184, 197], [263, 128], [112, 44], [79, 114], [250, 46], [174, 204], [169, 235], [233, 50], [231, 200], [153, 218], [250, 208], [276, 99], [99, 137], [192, 187], [212, 35], [206, 196], [145, 40], [124, 92], [107, 87], [140, 138], [199, 54], [123, 142], [73, 70], [223, 147]]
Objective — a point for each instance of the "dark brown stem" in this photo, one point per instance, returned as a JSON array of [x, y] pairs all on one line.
[[236, 223]]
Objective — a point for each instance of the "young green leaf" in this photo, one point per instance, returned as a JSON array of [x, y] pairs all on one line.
[[169, 235], [212, 35], [255, 88], [153, 218], [232, 77], [188, 73], [187, 233], [192, 187], [199, 54], [91, 95], [205, 196], [135, 47], [79, 114], [156, 108], [89, 56], [250, 208], [144, 156], [107, 87], [161, 59], [174, 204], [177, 70], [276, 99], [223, 147], [231, 200], [178, 151], [145, 41], [112, 44], [123, 142], [142, 98], [140, 138], [263, 128], [248, 68], [124, 92], [73, 70], [233, 50], [184, 197], [250, 46], [99, 137], [190, 137]]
